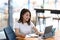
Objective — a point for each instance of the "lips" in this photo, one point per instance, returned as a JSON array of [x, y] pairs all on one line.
[[27, 18]]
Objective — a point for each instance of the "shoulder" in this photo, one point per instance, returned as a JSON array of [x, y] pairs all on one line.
[[31, 23], [18, 23]]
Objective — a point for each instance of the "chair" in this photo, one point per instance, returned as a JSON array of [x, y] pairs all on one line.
[[10, 35]]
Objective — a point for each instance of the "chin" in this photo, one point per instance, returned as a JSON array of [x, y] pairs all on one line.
[[26, 20]]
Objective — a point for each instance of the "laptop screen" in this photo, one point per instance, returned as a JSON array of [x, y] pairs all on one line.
[[48, 29]]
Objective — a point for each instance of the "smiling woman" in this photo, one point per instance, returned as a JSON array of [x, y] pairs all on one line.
[[24, 25]]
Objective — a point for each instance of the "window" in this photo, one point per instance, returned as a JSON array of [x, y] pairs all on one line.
[[3, 14]]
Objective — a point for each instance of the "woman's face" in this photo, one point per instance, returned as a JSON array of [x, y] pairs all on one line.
[[26, 16]]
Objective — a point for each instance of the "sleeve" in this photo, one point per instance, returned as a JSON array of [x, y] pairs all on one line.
[[16, 25], [32, 25]]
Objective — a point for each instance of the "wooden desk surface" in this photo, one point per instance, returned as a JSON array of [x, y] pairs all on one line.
[[56, 37]]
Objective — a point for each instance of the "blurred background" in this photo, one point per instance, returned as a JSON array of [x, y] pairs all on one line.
[[10, 12]]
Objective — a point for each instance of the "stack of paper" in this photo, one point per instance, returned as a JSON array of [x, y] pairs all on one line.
[[31, 35]]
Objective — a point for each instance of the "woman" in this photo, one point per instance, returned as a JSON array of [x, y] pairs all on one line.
[[24, 25]]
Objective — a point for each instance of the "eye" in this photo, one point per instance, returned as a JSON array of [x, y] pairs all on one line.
[[27, 15]]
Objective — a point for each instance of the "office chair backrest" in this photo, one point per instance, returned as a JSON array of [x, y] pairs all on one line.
[[10, 35]]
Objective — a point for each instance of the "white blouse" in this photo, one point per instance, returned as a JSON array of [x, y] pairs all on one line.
[[24, 28]]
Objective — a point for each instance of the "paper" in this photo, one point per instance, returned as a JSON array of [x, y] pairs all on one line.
[[31, 35]]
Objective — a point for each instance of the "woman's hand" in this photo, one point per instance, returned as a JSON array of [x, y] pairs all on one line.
[[36, 31]]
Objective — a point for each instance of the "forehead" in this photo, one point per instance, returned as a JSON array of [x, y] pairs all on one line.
[[27, 13]]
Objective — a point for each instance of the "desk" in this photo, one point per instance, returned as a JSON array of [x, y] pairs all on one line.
[[56, 37], [43, 17]]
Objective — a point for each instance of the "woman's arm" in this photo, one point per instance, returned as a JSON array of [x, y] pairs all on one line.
[[17, 32], [36, 31]]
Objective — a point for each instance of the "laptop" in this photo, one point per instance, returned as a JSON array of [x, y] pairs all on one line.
[[48, 29], [47, 32]]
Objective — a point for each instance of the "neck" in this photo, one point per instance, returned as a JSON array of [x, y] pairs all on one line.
[[24, 21]]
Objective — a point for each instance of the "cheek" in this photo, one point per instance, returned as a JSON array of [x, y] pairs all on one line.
[[24, 17]]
